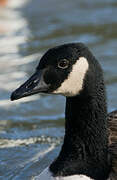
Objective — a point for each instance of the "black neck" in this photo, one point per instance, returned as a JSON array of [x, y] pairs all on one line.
[[85, 147], [86, 124]]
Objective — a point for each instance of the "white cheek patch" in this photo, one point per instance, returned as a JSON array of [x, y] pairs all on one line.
[[74, 83]]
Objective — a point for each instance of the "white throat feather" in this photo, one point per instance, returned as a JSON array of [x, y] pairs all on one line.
[[47, 175]]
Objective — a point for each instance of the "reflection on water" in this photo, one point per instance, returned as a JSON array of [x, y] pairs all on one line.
[[31, 129]]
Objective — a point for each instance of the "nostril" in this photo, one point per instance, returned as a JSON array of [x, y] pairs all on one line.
[[31, 84], [36, 81], [28, 85]]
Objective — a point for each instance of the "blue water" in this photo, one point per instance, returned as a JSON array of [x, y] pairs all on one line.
[[31, 129]]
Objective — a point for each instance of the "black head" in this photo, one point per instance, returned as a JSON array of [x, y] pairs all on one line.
[[62, 70]]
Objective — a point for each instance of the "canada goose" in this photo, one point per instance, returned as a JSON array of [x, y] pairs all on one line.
[[89, 149]]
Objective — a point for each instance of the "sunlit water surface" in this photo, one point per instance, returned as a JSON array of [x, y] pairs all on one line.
[[31, 129]]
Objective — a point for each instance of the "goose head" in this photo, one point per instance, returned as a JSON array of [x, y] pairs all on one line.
[[69, 70]]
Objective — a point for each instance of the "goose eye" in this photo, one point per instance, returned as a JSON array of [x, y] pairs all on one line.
[[63, 64]]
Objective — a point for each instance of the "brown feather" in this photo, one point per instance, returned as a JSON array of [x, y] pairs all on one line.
[[112, 120]]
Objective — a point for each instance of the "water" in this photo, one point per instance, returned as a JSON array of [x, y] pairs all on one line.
[[31, 129]]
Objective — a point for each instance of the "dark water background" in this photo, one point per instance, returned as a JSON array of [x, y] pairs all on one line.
[[31, 129]]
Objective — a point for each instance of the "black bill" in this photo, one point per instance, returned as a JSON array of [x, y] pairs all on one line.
[[35, 84]]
